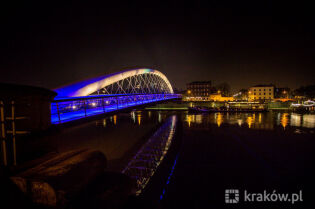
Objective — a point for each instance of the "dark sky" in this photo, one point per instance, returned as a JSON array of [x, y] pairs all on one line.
[[240, 42]]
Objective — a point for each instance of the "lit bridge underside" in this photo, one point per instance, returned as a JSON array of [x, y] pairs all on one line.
[[110, 93]]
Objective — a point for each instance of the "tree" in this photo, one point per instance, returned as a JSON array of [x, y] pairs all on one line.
[[305, 91], [241, 95], [224, 88]]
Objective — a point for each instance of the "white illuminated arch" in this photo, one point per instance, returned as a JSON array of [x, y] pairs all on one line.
[[87, 87]]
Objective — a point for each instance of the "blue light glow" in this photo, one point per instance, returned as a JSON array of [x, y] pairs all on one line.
[[169, 177], [69, 109]]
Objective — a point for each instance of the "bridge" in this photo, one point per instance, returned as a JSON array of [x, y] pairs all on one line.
[[110, 93]]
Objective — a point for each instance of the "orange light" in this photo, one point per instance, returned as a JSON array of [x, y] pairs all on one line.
[[284, 120], [115, 119], [139, 119]]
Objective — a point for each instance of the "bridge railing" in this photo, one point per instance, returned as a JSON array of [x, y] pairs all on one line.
[[72, 108]]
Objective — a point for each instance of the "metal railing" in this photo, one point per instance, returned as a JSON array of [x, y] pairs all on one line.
[[8, 127], [68, 109]]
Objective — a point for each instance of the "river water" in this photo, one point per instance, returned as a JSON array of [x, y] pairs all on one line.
[[211, 153], [272, 151]]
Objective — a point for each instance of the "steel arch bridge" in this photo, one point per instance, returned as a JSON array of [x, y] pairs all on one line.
[[110, 93], [138, 81]]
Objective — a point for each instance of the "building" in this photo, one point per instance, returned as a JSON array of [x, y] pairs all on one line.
[[29, 105], [261, 92], [217, 97], [199, 89]]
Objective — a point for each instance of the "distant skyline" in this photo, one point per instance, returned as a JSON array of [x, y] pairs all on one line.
[[243, 43]]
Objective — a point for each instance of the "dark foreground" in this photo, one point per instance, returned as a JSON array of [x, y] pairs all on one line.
[[210, 154]]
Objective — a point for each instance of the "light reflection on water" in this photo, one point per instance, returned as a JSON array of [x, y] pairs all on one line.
[[139, 117], [266, 121]]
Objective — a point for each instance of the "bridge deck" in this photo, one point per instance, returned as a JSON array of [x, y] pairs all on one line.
[[69, 109]]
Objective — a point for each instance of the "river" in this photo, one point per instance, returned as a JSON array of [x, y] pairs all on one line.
[[211, 153]]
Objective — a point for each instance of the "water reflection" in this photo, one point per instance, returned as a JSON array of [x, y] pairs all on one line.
[[139, 119], [284, 119], [240, 122], [133, 116], [266, 121], [308, 121], [146, 161], [189, 119], [295, 119], [219, 118], [250, 121], [136, 116], [198, 119], [160, 117], [115, 119]]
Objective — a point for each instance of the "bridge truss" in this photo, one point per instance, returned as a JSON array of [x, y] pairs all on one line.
[[110, 93], [147, 83]]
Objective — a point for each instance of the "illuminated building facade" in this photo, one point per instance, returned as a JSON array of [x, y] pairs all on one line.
[[199, 90], [261, 92], [219, 98]]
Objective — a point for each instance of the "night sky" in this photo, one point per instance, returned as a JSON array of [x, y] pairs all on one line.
[[241, 43]]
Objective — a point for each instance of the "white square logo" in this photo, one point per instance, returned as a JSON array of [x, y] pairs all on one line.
[[232, 196]]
